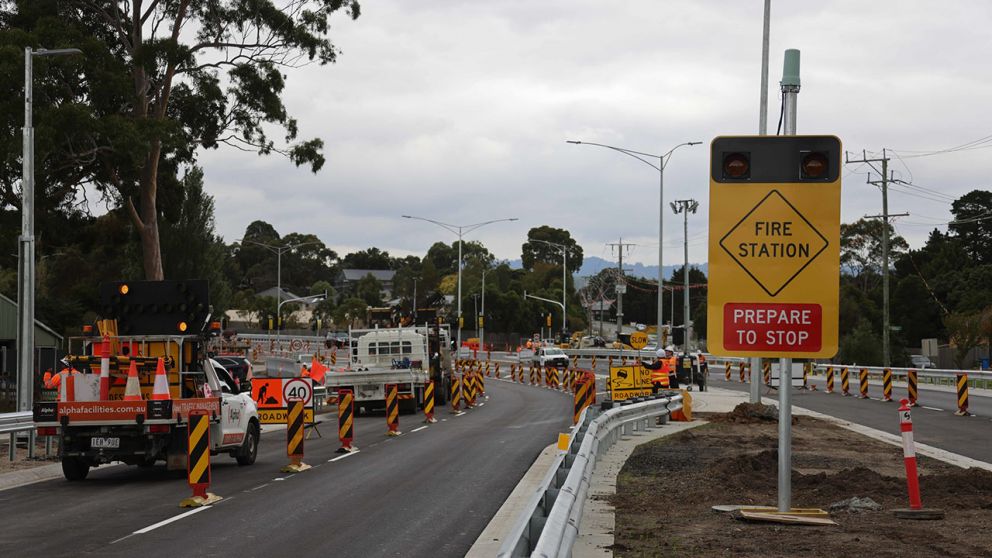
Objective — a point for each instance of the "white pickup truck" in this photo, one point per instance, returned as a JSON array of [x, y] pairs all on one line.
[[92, 431]]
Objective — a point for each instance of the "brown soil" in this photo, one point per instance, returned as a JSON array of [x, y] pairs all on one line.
[[733, 460]]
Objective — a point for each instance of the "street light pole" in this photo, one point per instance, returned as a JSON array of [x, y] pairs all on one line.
[[685, 207], [279, 251], [481, 321], [25, 243], [460, 231], [564, 276], [660, 167]]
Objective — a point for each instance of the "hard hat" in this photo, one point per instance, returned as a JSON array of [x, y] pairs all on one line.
[[670, 349], [659, 353]]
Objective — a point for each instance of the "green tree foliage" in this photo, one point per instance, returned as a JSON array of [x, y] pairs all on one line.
[[350, 312], [534, 250], [863, 345], [369, 289], [861, 250], [190, 248], [972, 224], [966, 331], [372, 258], [156, 82]]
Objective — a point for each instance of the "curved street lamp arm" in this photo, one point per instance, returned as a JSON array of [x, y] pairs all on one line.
[[628, 152], [454, 229], [561, 247], [470, 228], [560, 305]]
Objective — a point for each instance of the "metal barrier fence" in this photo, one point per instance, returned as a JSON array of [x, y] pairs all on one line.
[[12, 423], [549, 524]]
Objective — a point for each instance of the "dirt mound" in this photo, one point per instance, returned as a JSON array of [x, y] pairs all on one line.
[[750, 413], [846, 483], [960, 489]]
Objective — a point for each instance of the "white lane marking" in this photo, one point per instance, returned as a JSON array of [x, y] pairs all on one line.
[[418, 429], [170, 520], [460, 413], [260, 487], [481, 405], [349, 454], [931, 408], [280, 479]]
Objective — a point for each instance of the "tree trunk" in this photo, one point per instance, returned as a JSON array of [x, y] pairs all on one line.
[[147, 222]]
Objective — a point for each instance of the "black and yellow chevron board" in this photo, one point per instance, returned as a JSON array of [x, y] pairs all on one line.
[[346, 417], [456, 393], [766, 368], [593, 366], [429, 400], [911, 387], [482, 385], [845, 383], [887, 384], [728, 372], [392, 407], [830, 379], [496, 371], [863, 383], [198, 452], [962, 380], [294, 427], [742, 371], [581, 395], [533, 376]]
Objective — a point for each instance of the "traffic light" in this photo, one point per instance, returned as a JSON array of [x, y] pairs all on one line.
[[156, 307], [548, 320], [774, 246], [481, 321]]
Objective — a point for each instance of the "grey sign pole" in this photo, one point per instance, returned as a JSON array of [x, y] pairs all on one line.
[[762, 130], [790, 95]]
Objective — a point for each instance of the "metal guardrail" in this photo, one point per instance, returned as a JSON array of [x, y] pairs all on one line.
[[12, 423], [549, 525]]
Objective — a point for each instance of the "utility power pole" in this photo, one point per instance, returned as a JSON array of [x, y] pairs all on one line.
[[885, 216], [621, 287]]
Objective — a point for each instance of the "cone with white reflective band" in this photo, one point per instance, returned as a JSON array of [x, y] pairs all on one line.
[[161, 390], [132, 391]]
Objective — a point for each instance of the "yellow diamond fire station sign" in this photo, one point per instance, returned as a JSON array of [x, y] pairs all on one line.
[[773, 243]]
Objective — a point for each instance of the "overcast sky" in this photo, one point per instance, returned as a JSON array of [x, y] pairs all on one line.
[[458, 110]]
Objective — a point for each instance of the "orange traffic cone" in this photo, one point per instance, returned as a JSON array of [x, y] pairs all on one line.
[[132, 391], [161, 390]]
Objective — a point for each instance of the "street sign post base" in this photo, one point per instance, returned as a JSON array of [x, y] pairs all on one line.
[[920, 514]]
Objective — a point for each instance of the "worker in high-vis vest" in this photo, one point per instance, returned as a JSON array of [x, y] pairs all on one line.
[[660, 371]]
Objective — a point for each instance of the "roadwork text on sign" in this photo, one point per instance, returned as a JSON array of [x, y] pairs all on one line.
[[774, 250]]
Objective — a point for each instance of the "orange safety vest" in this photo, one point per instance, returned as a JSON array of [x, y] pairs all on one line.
[[660, 376]]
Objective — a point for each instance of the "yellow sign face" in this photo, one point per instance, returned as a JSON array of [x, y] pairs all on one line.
[[638, 339], [563, 442], [774, 248], [629, 381]]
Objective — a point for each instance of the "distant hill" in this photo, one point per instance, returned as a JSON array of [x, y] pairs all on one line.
[[591, 265]]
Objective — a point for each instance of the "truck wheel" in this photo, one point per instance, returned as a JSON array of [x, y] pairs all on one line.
[[249, 449], [75, 468]]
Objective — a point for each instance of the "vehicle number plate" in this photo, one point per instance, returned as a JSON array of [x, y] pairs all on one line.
[[109, 443]]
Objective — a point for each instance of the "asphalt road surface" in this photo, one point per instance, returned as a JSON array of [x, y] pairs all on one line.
[[429, 492], [934, 421]]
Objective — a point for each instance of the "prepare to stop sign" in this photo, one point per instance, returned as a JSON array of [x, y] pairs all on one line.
[[772, 327]]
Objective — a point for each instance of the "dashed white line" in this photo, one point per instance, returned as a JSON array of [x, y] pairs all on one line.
[[280, 479], [931, 408], [349, 454], [460, 413], [418, 429], [260, 487], [170, 520]]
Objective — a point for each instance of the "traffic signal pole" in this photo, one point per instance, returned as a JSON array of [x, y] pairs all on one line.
[[790, 98]]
